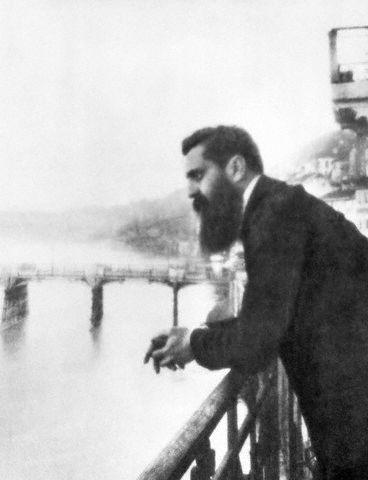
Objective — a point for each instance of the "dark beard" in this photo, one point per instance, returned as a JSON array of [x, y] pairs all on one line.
[[220, 217]]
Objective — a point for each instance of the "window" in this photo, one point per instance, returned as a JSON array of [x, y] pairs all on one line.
[[352, 54]]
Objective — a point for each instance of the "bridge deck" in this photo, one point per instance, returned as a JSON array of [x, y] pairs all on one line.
[[167, 275]]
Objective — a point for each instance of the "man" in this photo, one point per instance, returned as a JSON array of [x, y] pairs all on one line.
[[306, 298]]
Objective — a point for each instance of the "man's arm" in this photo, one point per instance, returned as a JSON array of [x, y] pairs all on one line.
[[275, 262]]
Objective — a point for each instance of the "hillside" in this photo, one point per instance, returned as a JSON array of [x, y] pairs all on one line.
[[164, 227]]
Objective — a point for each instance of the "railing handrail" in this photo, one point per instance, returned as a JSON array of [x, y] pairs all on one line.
[[180, 452], [177, 456], [244, 430]]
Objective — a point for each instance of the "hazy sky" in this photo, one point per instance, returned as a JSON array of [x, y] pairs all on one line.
[[96, 95]]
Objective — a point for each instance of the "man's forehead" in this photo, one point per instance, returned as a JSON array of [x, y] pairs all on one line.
[[194, 158]]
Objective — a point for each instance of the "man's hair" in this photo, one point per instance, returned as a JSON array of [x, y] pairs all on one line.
[[222, 142]]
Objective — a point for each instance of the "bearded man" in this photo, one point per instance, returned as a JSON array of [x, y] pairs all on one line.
[[306, 299]]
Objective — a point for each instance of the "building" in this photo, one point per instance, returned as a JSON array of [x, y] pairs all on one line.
[[340, 171], [349, 73], [324, 165], [353, 204]]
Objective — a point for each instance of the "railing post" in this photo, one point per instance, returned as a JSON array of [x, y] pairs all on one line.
[[269, 437], [292, 436], [235, 470], [249, 395], [283, 414], [253, 453], [300, 443], [296, 454], [205, 462]]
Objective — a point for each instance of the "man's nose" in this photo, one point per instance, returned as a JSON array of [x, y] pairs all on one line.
[[193, 189]]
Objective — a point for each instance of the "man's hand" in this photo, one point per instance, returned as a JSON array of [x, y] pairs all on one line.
[[157, 343], [170, 349]]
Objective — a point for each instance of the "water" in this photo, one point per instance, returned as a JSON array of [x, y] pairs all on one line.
[[77, 404]]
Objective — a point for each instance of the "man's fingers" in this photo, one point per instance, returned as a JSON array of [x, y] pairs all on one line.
[[168, 362], [161, 358], [170, 349], [159, 354], [156, 365], [156, 343], [148, 354], [160, 340]]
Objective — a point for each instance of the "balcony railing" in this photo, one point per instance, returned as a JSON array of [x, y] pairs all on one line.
[[192, 443], [273, 425]]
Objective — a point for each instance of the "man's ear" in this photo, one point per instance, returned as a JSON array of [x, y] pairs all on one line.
[[236, 168]]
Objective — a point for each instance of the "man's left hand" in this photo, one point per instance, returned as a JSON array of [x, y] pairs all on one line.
[[175, 351]]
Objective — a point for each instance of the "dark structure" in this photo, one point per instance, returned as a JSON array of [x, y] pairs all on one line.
[[15, 306]]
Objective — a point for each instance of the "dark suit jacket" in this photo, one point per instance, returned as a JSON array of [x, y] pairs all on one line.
[[307, 301]]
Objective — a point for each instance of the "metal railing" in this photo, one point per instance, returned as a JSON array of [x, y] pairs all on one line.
[[192, 443], [273, 423]]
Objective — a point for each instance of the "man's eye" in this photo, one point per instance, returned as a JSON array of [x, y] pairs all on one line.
[[198, 176]]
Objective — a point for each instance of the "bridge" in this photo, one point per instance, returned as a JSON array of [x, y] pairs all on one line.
[[168, 274], [16, 281]]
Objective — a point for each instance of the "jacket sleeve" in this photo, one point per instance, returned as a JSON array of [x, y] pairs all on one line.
[[277, 248]]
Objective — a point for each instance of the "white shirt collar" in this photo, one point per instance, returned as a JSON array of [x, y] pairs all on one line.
[[249, 190], [235, 250]]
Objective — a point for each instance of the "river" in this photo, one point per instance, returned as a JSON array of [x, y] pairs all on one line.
[[78, 405]]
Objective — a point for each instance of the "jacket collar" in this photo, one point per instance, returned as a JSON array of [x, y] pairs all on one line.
[[262, 189]]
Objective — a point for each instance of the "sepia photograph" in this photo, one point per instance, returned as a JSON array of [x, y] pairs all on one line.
[[184, 239]]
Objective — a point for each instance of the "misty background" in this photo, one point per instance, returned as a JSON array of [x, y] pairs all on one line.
[[95, 99], [96, 96]]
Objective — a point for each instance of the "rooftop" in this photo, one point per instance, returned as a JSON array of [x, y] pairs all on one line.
[[341, 194]]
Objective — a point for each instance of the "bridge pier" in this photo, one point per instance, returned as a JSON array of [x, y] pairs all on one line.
[[15, 306], [176, 287], [222, 291], [97, 304]]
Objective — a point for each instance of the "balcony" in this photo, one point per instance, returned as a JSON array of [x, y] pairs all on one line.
[[273, 427]]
